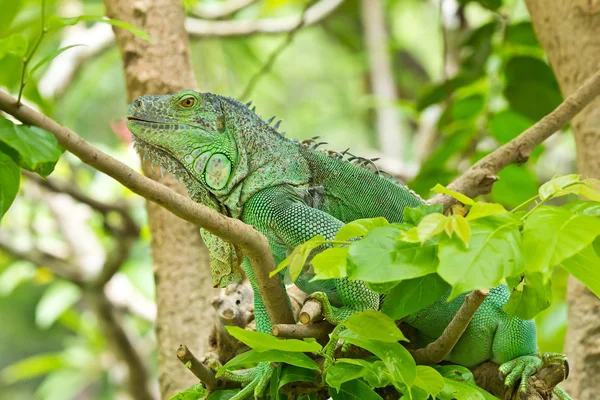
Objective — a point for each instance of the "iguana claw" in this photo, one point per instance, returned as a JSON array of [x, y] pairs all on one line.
[[523, 368], [254, 381]]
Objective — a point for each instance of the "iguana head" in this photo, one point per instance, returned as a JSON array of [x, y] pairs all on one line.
[[190, 128], [221, 149]]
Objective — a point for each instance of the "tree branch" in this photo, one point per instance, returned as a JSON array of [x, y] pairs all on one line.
[[480, 178], [219, 10], [273, 56], [59, 266], [296, 331], [435, 352], [201, 371], [541, 384], [235, 231], [198, 28]]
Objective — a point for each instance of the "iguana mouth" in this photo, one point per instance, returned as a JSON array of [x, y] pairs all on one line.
[[130, 118]]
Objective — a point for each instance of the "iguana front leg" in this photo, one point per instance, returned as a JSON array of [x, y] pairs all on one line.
[[514, 347], [287, 222]]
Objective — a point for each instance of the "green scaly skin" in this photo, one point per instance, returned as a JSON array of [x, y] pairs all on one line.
[[236, 163]]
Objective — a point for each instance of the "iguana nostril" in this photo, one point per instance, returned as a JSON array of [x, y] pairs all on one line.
[[137, 103]]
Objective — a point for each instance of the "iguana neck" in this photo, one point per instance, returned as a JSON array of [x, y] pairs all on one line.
[[265, 159]]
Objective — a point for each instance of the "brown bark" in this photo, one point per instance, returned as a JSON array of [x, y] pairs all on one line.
[[569, 30], [181, 269]]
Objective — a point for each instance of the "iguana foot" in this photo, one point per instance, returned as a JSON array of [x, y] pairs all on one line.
[[254, 381], [523, 368], [331, 314]]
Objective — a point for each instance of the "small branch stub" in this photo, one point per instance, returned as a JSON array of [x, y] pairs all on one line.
[[201, 371], [312, 311], [435, 352], [296, 331]]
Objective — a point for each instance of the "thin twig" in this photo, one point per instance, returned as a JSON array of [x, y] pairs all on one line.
[[295, 331], [199, 28], [31, 53], [254, 244], [76, 193], [435, 352], [273, 56], [219, 10], [201, 371], [59, 266], [480, 178]]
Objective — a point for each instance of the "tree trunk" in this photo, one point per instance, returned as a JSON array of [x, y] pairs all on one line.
[[569, 30], [181, 266]]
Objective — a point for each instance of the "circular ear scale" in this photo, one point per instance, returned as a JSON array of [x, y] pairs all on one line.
[[217, 171]]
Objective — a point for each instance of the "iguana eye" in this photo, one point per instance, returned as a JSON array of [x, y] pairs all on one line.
[[187, 102], [221, 124]]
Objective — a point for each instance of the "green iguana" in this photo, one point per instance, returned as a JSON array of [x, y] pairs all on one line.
[[236, 163]]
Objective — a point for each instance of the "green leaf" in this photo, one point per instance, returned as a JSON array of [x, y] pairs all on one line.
[[508, 124], [531, 88], [570, 184], [341, 372], [15, 44], [57, 23], [10, 179], [429, 226], [468, 107], [460, 226], [591, 208], [273, 384], [380, 258], [528, 296], [553, 234], [462, 390], [374, 371], [556, 185], [51, 57], [374, 325], [459, 383], [381, 288], [10, 9], [31, 367], [396, 358], [262, 342], [298, 258], [354, 390], [458, 196], [491, 4], [223, 394], [330, 263], [412, 295], [521, 33], [429, 379], [57, 299], [516, 184], [414, 215], [481, 210], [254, 357], [32, 148], [17, 273], [194, 392], [294, 374], [585, 266], [494, 252], [359, 227]]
